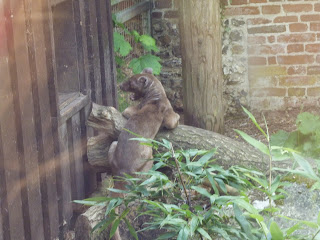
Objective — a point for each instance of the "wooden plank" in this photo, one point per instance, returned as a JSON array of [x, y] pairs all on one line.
[[65, 176], [80, 46], [73, 182], [11, 205], [26, 74], [93, 51], [3, 193], [129, 13], [108, 76], [79, 152], [43, 123], [73, 107]]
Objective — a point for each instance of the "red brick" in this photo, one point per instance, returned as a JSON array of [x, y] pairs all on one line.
[[297, 59], [163, 4], [233, 11], [271, 9], [313, 92], [317, 7], [318, 58], [288, 8], [255, 61], [239, 2], [313, 48], [258, 1], [271, 39], [267, 29], [298, 27], [256, 39], [223, 3], [310, 18], [285, 19], [315, 26], [292, 38], [293, 48], [298, 92], [313, 70], [297, 70], [266, 49], [268, 92], [272, 60], [256, 21], [294, 81]]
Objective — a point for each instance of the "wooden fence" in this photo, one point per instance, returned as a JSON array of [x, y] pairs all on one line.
[[56, 56]]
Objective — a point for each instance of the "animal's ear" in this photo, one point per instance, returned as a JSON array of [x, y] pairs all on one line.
[[147, 70], [143, 80]]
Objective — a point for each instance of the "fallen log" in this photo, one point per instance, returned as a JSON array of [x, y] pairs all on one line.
[[230, 152]]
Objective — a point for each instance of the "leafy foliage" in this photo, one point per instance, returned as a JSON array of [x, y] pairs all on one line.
[[138, 64], [305, 139]]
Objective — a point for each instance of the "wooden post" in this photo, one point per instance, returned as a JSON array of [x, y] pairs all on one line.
[[201, 64]]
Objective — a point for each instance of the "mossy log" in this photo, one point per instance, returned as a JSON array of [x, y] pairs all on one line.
[[230, 152]]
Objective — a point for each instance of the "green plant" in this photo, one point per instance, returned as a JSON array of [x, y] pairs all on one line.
[[122, 48], [305, 139], [278, 148], [186, 203]]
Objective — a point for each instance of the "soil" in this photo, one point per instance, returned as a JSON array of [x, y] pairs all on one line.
[[276, 120]]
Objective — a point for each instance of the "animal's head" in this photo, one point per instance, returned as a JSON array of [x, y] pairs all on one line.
[[140, 84]]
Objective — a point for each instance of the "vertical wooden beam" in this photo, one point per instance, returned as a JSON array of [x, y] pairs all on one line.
[[65, 175], [43, 122], [78, 155], [27, 144], [201, 63], [11, 204], [105, 36]]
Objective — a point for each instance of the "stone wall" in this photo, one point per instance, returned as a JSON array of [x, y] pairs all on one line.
[[271, 52], [165, 23]]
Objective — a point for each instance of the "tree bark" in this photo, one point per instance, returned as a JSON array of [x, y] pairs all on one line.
[[229, 151], [202, 64]]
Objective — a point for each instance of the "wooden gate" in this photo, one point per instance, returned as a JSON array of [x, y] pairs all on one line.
[[56, 56]]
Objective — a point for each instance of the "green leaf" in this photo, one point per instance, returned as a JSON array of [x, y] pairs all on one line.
[[306, 166], [194, 223], [307, 123], [205, 158], [259, 145], [254, 121], [167, 235], [275, 184], [184, 233], [244, 224], [276, 232], [121, 46], [146, 61], [148, 43], [131, 229], [279, 138], [202, 191], [204, 233], [114, 227], [318, 219], [293, 229]]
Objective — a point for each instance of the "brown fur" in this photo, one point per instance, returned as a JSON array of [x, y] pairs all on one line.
[[154, 111]]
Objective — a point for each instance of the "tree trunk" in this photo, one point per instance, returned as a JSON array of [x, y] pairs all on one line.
[[201, 64], [229, 152]]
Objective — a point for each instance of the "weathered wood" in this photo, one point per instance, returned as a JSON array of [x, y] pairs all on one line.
[[78, 156], [229, 151], [65, 174], [108, 70], [11, 206], [201, 64]]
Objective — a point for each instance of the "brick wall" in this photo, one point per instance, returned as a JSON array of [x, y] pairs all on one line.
[[271, 52], [280, 44]]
